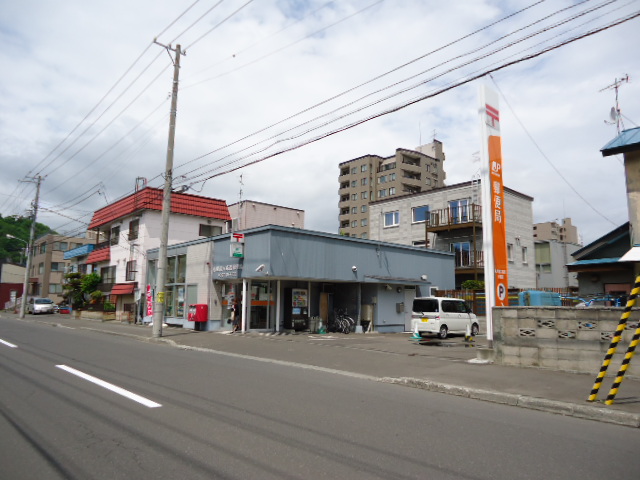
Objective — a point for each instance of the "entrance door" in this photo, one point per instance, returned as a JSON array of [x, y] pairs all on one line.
[[409, 295]]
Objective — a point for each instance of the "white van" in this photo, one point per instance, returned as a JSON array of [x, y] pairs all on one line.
[[441, 316]]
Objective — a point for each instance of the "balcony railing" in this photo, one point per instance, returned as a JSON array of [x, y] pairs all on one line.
[[455, 216], [470, 259]]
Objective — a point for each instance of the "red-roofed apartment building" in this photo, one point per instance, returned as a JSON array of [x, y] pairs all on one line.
[[132, 226]]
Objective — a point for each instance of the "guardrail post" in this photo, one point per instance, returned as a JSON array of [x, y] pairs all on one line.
[[623, 368], [615, 340]]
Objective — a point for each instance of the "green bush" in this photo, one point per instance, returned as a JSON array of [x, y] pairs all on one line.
[[473, 285]]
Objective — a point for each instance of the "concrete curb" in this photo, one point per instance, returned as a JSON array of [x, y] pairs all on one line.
[[600, 414]]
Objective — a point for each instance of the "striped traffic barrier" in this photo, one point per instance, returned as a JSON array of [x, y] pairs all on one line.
[[623, 368], [615, 340]]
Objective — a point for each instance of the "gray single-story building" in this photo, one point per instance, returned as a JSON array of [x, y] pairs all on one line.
[[295, 278]]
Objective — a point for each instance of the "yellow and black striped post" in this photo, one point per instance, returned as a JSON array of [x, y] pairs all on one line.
[[615, 340], [623, 368]]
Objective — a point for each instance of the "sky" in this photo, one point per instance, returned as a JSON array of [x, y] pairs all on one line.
[[274, 94]]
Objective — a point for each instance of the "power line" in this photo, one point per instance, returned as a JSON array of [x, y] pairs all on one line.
[[558, 172], [276, 140], [427, 96]]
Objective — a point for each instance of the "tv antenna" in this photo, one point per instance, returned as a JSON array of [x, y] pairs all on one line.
[[615, 117]]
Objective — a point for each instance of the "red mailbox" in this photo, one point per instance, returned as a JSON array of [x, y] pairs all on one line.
[[198, 312]]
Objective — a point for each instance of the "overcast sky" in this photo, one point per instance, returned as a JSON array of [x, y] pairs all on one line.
[[85, 99]]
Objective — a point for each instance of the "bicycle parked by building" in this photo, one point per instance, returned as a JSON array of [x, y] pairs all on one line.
[[342, 322]]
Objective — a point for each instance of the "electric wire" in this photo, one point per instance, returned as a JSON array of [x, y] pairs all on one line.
[[558, 172], [424, 97], [224, 20], [373, 103]]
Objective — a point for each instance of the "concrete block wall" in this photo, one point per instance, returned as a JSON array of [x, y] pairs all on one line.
[[563, 338]]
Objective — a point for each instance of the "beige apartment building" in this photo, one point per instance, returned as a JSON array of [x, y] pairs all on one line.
[[563, 232], [48, 265], [370, 178], [252, 214]]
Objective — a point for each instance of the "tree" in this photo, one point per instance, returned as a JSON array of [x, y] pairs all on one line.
[[72, 289], [10, 248], [78, 287], [473, 285]]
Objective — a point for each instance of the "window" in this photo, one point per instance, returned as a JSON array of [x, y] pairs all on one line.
[[108, 274], [388, 166], [130, 274], [463, 254], [209, 230], [363, 222], [114, 239], [40, 268], [134, 227], [363, 168], [171, 270], [61, 246], [392, 177], [459, 211], [354, 183], [364, 181], [57, 266], [363, 208], [354, 210], [392, 219], [382, 179], [354, 170], [43, 248], [354, 196], [382, 193], [55, 288], [525, 256], [364, 235], [510, 251], [420, 214], [392, 190], [365, 195], [354, 223]]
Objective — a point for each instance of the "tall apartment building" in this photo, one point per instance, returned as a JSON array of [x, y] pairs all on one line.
[[48, 264], [563, 232], [369, 178]]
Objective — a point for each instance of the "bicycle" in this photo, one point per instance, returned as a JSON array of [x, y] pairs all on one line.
[[342, 323]]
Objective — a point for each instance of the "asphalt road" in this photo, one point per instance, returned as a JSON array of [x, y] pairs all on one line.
[[228, 416]]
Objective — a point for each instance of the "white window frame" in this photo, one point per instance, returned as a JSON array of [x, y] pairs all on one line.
[[392, 219]]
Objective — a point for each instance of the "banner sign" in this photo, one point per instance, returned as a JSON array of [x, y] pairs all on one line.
[[494, 219], [499, 224], [149, 301]]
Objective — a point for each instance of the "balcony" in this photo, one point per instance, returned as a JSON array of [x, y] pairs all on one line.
[[468, 261], [465, 216]]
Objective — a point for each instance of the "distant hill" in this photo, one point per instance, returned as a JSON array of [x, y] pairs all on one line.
[[12, 250]]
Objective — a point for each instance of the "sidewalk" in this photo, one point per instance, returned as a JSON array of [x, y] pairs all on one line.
[[448, 366]]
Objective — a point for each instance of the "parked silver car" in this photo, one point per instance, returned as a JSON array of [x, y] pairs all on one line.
[[40, 305]]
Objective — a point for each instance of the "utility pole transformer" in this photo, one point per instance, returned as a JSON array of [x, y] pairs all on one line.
[[32, 234], [160, 298]]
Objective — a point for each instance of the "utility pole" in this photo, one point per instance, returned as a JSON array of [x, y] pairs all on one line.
[[32, 233], [159, 305]]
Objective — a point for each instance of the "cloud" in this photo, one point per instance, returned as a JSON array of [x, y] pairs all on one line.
[[274, 59]]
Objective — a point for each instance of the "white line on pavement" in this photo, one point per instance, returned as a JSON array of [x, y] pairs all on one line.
[[120, 391], [8, 344]]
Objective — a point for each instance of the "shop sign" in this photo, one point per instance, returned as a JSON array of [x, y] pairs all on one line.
[[226, 271]]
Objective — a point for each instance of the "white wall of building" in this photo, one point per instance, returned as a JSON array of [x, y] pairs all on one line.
[[519, 218]]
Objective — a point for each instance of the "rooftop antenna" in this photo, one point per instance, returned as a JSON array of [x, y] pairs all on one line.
[[614, 115]]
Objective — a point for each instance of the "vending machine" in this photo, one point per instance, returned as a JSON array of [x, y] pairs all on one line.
[[297, 309]]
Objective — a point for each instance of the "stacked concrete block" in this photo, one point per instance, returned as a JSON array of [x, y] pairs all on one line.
[[562, 338]]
